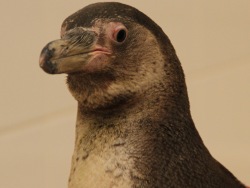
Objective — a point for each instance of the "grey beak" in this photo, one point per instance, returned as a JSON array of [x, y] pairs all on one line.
[[70, 53]]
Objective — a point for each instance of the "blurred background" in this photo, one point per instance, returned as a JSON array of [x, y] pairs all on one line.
[[37, 113]]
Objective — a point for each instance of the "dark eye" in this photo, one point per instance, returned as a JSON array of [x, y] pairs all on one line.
[[121, 35]]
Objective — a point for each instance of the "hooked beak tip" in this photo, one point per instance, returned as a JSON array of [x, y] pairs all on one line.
[[45, 63]]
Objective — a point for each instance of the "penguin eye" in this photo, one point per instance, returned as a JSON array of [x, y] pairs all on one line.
[[120, 35]]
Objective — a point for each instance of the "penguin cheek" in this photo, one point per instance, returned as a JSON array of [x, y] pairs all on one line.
[[97, 63]]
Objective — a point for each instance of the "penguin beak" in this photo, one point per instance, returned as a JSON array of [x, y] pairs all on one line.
[[77, 48]]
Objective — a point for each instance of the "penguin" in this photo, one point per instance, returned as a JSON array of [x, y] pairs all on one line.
[[134, 127]]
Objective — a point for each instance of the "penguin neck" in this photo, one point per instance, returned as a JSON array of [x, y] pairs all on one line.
[[127, 119], [150, 105]]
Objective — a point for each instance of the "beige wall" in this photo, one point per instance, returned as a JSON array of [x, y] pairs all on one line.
[[37, 113]]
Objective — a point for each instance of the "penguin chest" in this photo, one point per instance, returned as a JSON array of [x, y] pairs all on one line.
[[106, 167]]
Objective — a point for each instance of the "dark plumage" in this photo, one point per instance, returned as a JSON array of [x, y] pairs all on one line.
[[134, 127]]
